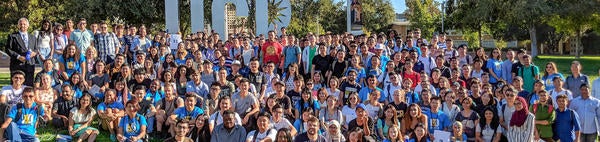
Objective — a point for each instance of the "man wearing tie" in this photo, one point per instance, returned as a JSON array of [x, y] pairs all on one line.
[[21, 49]]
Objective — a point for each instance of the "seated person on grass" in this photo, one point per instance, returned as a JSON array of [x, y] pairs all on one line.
[[165, 108], [132, 127], [109, 112], [20, 124], [188, 113], [62, 107], [81, 118]]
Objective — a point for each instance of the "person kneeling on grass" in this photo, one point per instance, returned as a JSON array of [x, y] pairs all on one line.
[[20, 124], [132, 127], [81, 118], [109, 112], [187, 113]]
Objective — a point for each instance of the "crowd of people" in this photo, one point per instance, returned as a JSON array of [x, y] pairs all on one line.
[[333, 87]]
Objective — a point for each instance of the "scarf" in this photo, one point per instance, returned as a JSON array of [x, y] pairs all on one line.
[[519, 116]]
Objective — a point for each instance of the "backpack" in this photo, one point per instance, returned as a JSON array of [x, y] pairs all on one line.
[[256, 134], [4, 109], [20, 111], [555, 136], [521, 73]]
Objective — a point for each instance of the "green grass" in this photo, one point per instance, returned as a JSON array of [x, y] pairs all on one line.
[[591, 64]]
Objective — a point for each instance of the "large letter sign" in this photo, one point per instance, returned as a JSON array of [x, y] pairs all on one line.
[[219, 21]]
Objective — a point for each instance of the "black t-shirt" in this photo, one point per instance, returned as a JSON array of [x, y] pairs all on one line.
[[132, 83], [304, 138], [400, 109], [346, 88], [144, 106], [322, 63], [294, 96], [338, 68], [258, 80], [285, 102], [64, 106], [515, 68], [370, 123]]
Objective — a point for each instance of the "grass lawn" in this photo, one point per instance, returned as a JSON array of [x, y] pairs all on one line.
[[591, 64]]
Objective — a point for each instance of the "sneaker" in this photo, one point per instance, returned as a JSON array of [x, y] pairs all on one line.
[[113, 137]]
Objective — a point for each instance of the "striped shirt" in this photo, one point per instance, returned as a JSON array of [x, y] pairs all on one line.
[[523, 133], [106, 45]]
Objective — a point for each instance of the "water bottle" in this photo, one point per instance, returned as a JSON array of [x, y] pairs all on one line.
[[406, 138], [28, 55]]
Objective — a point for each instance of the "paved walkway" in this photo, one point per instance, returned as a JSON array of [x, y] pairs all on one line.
[[7, 70]]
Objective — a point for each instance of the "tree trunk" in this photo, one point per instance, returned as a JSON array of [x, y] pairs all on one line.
[[577, 44], [480, 36], [533, 38]]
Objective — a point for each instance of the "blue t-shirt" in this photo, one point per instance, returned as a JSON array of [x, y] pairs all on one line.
[[154, 97], [548, 80], [28, 118], [437, 121], [496, 66], [565, 126], [182, 113], [103, 106], [364, 93], [306, 104], [72, 66], [132, 126], [291, 55]]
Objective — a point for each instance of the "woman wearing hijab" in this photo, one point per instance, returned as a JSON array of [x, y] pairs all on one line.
[[521, 124], [333, 133]]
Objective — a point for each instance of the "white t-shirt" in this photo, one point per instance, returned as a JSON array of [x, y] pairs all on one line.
[[283, 123], [174, 40], [218, 118], [271, 133], [555, 94], [13, 96], [350, 113]]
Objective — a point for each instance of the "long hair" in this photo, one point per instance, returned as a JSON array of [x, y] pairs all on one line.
[[88, 109], [78, 84], [495, 119], [178, 73], [288, 74], [77, 55], [286, 132], [47, 31], [94, 70], [546, 74], [201, 134], [394, 120]]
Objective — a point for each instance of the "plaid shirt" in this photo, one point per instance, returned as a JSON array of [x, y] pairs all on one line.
[[106, 45]]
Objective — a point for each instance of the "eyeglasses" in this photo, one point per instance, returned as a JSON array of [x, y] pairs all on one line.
[[28, 96]]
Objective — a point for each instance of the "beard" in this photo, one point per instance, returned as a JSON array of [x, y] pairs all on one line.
[[311, 131]]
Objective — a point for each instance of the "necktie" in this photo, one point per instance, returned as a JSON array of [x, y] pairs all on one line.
[[25, 40]]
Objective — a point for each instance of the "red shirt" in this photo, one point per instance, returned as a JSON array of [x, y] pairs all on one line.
[[271, 52], [414, 77]]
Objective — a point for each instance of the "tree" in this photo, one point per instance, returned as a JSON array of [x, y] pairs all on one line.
[[423, 14], [377, 15], [333, 16], [304, 17], [477, 16], [275, 12], [528, 14], [574, 18]]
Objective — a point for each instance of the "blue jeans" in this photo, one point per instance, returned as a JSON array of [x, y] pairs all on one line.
[[150, 120], [14, 134]]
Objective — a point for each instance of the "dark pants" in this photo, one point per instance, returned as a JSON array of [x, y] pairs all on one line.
[[589, 137], [28, 69]]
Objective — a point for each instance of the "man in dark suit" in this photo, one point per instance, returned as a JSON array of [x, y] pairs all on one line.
[[18, 45]]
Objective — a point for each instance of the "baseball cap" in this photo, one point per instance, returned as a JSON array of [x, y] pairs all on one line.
[[236, 62]]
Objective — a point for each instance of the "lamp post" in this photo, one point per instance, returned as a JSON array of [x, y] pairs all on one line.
[[443, 14]]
